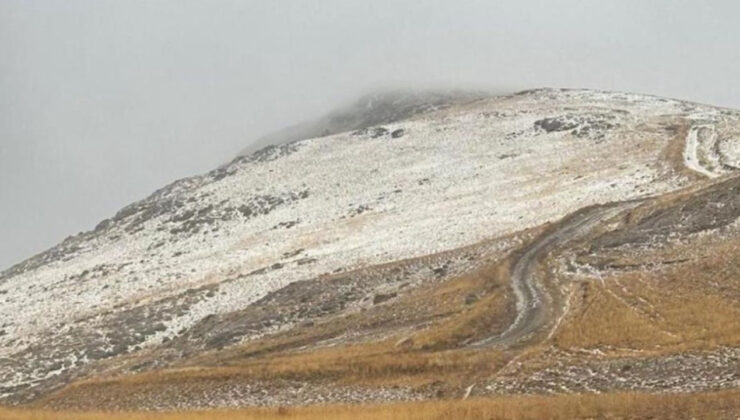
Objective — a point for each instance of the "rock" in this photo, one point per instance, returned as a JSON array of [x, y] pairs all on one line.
[[380, 298]]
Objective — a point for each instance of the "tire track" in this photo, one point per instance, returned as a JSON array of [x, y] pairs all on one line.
[[535, 310]]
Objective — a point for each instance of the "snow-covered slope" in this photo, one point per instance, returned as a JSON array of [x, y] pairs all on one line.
[[437, 181]]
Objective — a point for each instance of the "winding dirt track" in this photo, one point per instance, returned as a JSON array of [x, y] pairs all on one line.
[[535, 310]]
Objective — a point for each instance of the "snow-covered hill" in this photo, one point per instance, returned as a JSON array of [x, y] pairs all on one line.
[[438, 180]]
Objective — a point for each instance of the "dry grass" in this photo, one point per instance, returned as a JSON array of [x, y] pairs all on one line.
[[492, 313], [667, 321], [606, 320], [631, 314], [643, 406], [363, 365], [693, 305]]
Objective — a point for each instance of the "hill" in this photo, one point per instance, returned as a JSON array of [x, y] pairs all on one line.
[[550, 241]]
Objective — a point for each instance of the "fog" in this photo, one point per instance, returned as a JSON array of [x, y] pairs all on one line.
[[102, 102]]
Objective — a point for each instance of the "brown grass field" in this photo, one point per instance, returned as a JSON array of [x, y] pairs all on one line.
[[720, 405]]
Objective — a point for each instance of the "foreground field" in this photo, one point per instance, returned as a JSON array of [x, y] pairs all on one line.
[[721, 405]]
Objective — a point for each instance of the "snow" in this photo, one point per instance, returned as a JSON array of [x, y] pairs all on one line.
[[706, 152], [691, 154]]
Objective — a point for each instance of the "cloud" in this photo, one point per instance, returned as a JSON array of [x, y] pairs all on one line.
[[101, 102]]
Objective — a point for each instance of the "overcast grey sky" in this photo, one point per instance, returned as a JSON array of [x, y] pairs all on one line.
[[102, 102]]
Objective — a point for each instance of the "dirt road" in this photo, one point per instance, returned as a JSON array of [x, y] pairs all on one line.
[[534, 307]]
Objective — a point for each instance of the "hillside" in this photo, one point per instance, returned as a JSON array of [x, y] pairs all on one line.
[[547, 242]]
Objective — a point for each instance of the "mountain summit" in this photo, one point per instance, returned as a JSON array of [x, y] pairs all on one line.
[[377, 108]]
